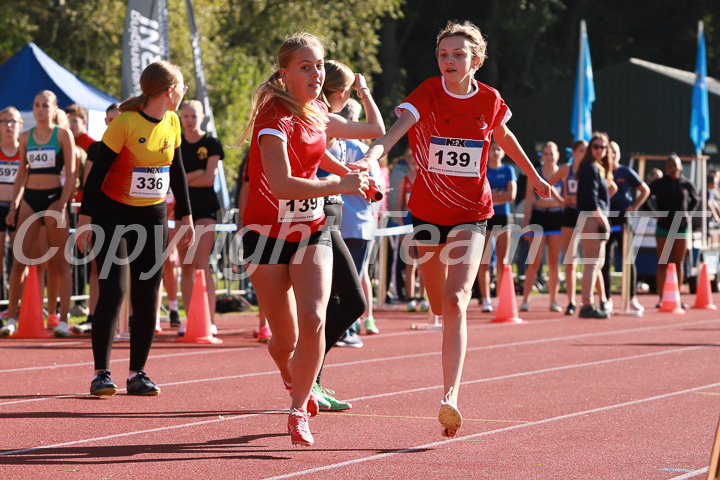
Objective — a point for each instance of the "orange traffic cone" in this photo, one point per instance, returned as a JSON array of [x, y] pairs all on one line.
[[671, 292], [30, 323], [507, 311], [703, 296], [198, 315]]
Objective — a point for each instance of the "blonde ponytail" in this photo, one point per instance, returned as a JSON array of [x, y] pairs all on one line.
[[273, 88]]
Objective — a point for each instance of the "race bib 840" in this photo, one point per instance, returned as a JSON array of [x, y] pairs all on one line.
[[41, 157]]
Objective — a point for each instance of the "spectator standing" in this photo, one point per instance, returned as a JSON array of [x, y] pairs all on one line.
[[623, 201], [676, 195], [503, 182], [547, 213], [593, 200]]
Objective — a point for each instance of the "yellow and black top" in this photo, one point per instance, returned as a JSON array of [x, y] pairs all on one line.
[[138, 160]]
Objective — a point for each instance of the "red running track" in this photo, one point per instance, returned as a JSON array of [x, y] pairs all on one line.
[[555, 398]]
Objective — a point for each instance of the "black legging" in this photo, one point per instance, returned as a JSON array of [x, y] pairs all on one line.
[[347, 299], [111, 215], [615, 242]]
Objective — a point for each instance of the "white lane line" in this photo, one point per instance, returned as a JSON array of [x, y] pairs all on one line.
[[139, 432], [531, 372], [695, 473], [166, 355], [58, 343], [400, 357], [379, 456], [493, 432]]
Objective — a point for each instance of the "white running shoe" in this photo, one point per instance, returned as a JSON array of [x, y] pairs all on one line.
[[635, 305], [213, 330], [449, 416], [524, 306], [62, 330], [412, 306], [10, 327], [487, 305]]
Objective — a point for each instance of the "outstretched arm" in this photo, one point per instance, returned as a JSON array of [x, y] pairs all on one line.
[[382, 145], [507, 141]]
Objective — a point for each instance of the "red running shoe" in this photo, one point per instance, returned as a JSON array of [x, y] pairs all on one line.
[[313, 406], [264, 334], [299, 428]]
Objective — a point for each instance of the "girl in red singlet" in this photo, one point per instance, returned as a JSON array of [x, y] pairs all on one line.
[[449, 120], [10, 127], [285, 247]]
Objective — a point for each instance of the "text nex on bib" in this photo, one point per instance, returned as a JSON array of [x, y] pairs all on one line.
[[150, 182], [455, 156]]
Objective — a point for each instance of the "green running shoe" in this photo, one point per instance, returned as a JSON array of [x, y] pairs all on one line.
[[333, 404], [320, 396]]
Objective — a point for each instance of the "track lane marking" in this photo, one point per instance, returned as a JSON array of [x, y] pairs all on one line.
[[399, 357], [387, 454], [381, 395], [500, 430]]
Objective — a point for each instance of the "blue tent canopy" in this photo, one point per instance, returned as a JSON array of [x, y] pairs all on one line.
[[31, 70]]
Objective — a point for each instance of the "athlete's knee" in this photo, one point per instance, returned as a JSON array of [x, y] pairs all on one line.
[[455, 302], [282, 345], [311, 322]]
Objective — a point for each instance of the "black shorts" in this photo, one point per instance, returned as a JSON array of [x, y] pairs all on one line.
[[203, 203], [4, 210], [426, 232], [261, 250], [40, 200], [498, 221], [549, 220], [570, 217]]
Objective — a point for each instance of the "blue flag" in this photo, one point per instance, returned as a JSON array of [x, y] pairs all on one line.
[[581, 123], [700, 115]]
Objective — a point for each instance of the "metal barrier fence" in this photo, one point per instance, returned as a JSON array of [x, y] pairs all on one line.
[[225, 250]]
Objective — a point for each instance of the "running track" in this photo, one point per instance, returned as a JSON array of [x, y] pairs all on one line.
[[555, 398]]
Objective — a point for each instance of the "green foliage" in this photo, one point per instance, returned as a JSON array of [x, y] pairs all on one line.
[[532, 44]]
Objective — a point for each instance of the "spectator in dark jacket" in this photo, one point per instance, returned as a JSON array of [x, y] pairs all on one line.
[[593, 201]]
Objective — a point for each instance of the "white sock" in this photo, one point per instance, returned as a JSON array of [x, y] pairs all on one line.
[[132, 375], [173, 305], [288, 385]]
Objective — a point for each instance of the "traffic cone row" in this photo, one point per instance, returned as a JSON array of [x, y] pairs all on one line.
[[31, 320], [703, 296], [507, 311], [198, 314], [670, 302]]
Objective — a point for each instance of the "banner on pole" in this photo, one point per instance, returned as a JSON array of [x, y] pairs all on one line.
[[581, 122], [145, 40], [202, 95], [700, 113]]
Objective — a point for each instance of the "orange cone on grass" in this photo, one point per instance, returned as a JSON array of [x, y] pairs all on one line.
[[703, 296], [670, 302], [507, 311], [198, 315], [30, 322]]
